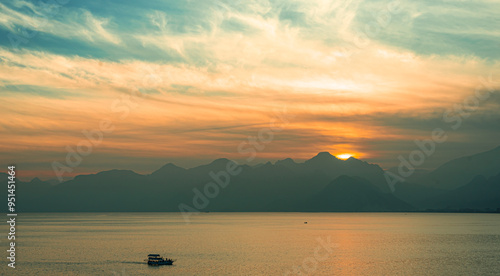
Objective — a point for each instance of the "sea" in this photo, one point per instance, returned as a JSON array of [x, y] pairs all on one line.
[[255, 244]]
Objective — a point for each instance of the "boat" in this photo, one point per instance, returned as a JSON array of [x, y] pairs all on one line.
[[156, 259]]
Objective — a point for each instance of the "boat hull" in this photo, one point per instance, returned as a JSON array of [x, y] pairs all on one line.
[[161, 263]]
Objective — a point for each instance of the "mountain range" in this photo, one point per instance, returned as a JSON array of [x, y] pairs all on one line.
[[323, 183]]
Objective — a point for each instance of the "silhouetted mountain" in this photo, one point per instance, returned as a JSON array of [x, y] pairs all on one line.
[[415, 194], [417, 173], [324, 160], [333, 167], [323, 183], [480, 193], [288, 162], [347, 194], [461, 171], [168, 170]]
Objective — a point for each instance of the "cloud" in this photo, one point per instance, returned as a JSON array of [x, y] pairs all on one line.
[[211, 73], [56, 20]]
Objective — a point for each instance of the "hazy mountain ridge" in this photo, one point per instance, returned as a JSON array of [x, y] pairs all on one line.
[[322, 183], [349, 194], [460, 171], [480, 193]]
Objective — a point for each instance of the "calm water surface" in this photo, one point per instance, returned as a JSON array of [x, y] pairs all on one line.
[[257, 244]]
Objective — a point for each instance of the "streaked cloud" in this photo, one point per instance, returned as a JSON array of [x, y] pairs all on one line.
[[210, 74]]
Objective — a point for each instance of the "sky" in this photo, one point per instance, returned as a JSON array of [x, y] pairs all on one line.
[[191, 81]]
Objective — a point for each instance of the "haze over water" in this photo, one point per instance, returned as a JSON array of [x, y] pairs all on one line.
[[258, 244]]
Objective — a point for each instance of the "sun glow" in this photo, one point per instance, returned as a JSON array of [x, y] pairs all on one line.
[[344, 156]]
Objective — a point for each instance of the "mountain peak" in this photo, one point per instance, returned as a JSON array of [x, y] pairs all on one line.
[[268, 164], [324, 156], [353, 159], [220, 161], [323, 159], [285, 162], [170, 165], [167, 169]]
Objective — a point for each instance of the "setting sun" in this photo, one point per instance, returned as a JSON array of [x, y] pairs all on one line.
[[344, 156]]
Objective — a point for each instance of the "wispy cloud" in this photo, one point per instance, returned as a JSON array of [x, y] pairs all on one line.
[[60, 21]]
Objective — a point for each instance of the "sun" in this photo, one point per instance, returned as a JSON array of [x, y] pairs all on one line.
[[344, 156]]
